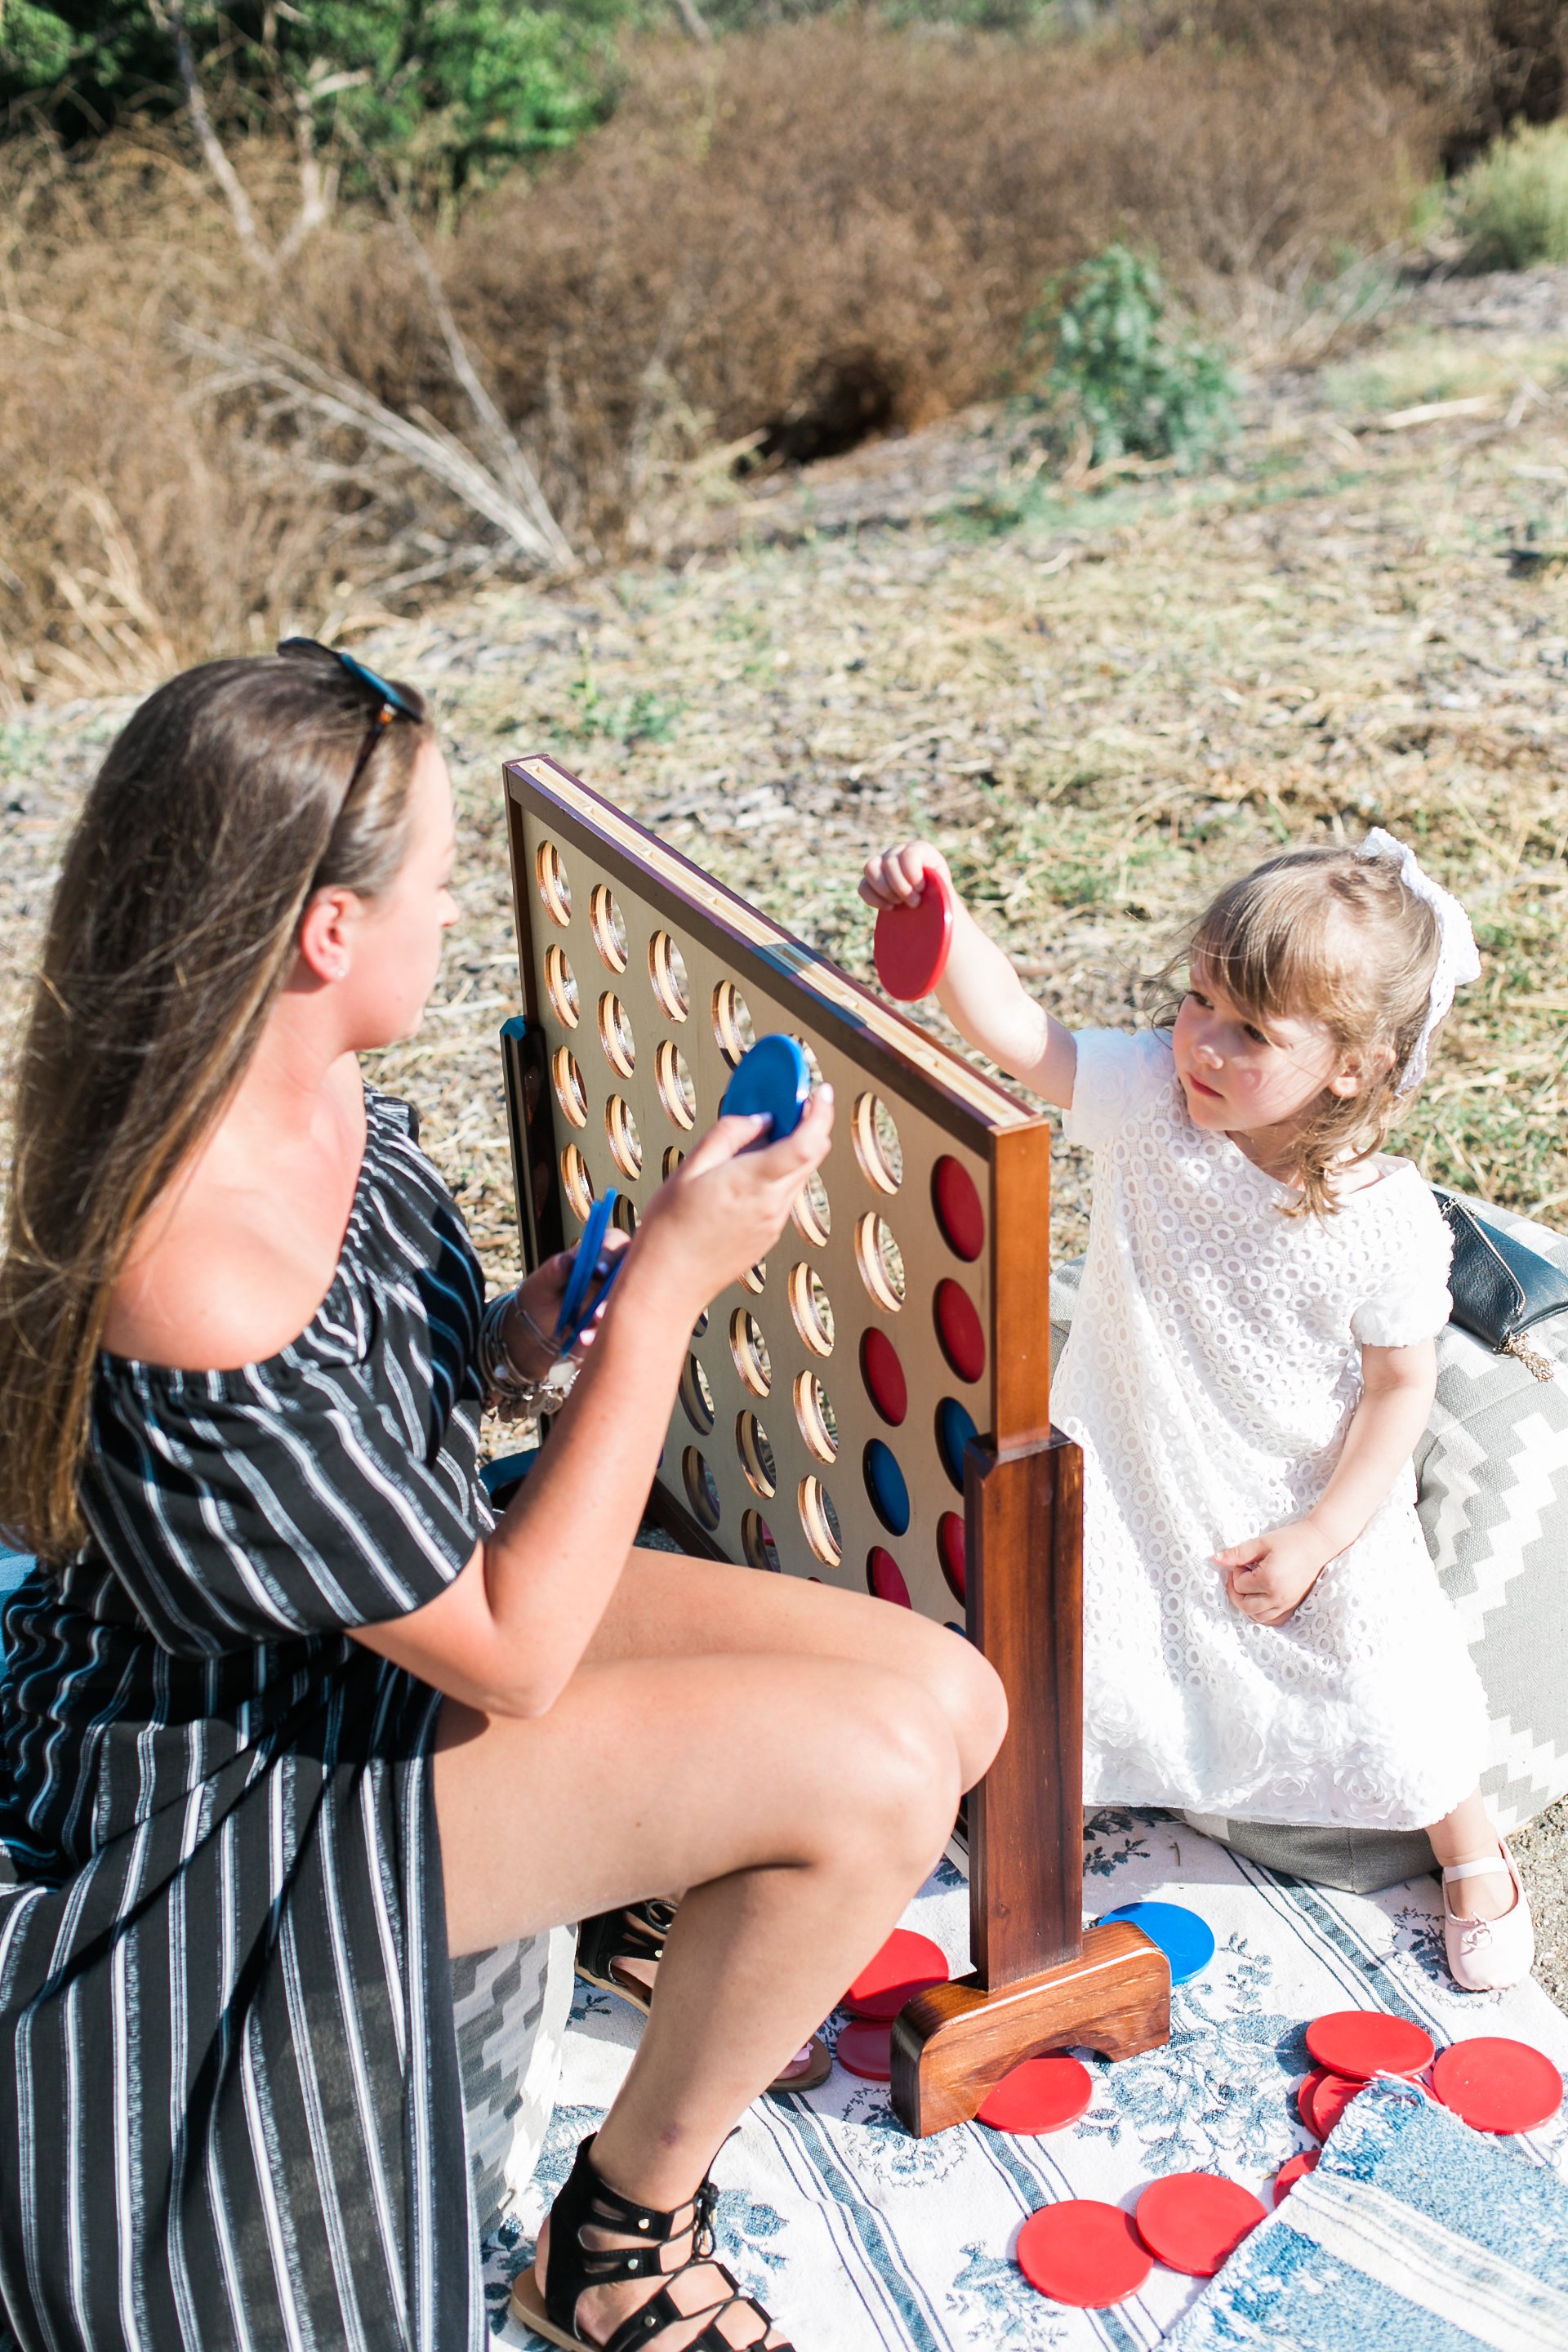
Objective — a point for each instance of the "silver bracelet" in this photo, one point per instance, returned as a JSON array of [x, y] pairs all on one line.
[[519, 1394]]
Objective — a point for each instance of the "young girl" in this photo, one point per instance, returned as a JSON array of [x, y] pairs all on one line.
[[1252, 1361]]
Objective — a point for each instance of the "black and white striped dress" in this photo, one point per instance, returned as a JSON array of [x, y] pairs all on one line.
[[230, 2104]]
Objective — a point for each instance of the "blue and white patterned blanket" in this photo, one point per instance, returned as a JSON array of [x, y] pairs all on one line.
[[859, 2238]]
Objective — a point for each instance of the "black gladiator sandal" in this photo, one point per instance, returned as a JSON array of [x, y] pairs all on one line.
[[573, 2268], [611, 1941]]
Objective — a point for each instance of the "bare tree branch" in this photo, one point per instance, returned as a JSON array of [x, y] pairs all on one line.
[[246, 362], [507, 458], [170, 16], [696, 23]]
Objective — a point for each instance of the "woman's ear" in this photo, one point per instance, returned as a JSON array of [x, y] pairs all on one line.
[[324, 934]]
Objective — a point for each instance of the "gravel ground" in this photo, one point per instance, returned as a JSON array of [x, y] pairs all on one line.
[[1101, 705]]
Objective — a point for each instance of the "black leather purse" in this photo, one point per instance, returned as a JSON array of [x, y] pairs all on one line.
[[1499, 1288]]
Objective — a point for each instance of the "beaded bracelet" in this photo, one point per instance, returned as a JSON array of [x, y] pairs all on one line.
[[519, 1394]]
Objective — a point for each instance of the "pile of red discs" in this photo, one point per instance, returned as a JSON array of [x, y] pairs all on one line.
[[1091, 2254]]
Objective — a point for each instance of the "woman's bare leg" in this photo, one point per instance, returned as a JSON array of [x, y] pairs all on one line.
[[669, 1606], [1467, 1834], [799, 1800]]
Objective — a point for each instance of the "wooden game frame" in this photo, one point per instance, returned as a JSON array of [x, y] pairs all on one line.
[[1040, 1980]]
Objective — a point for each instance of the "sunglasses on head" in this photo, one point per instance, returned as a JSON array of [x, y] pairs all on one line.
[[390, 703]]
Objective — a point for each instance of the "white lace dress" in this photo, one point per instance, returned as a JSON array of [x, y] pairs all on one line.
[[1210, 1375]]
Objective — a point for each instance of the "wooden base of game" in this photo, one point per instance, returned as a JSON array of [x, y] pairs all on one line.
[[954, 2044]]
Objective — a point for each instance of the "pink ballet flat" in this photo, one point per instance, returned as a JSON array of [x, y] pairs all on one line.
[[1489, 1955]]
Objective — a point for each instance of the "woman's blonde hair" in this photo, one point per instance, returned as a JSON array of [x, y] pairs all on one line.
[[231, 796], [1325, 935]]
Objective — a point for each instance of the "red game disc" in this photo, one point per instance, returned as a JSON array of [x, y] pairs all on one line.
[[884, 1578], [910, 944], [884, 1377], [1195, 2221], [1082, 2253], [1496, 2085], [958, 1209], [951, 1552], [865, 2049], [1362, 2042], [1043, 2094], [1304, 2092], [906, 1965], [1288, 2174], [959, 1329], [1330, 2097]]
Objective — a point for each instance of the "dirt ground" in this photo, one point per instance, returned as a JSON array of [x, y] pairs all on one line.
[[1101, 705]]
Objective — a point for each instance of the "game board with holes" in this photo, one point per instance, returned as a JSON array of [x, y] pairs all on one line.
[[870, 1405]]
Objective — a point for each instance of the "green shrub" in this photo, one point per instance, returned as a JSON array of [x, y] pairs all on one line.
[[1140, 386], [1512, 205]]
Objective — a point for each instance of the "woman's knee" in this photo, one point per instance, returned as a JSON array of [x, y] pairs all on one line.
[[895, 1781]]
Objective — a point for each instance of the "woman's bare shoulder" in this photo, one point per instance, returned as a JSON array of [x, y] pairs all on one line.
[[236, 1258]]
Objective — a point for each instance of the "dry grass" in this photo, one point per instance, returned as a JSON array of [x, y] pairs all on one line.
[[802, 234], [1100, 712]]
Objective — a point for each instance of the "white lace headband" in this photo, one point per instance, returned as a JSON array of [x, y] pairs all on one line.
[[1457, 962]]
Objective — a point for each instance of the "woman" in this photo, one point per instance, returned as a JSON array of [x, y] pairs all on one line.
[[289, 1722]]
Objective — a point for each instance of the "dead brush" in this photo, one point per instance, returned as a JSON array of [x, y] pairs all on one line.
[[828, 229]]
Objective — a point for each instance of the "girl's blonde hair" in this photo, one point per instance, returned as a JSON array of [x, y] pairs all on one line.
[[1325, 935], [234, 795]]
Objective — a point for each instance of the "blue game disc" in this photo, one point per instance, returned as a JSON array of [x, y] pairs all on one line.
[[773, 1078], [1186, 1940], [954, 1428], [886, 1484]]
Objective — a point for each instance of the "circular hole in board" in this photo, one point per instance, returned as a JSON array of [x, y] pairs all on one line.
[[757, 1542], [697, 1396], [554, 890], [576, 1183], [616, 1034], [811, 1308], [885, 1578], [812, 1213], [667, 970], [701, 1325], [880, 1261], [673, 1156], [818, 1421], [561, 987], [813, 1067], [959, 1330], [749, 1350], [609, 930], [756, 1455], [886, 1487], [884, 1377], [567, 1081], [701, 1488], [675, 1091], [755, 1278], [954, 1428], [626, 1143], [733, 1028], [876, 1145], [820, 1521], [951, 1554], [958, 1209], [624, 1215]]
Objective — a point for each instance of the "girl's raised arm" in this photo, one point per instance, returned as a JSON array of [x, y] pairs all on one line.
[[979, 991]]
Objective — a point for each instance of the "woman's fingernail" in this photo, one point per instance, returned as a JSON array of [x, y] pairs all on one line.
[[826, 1091]]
